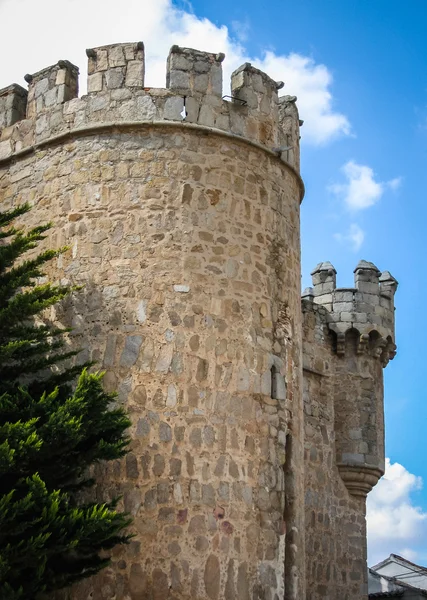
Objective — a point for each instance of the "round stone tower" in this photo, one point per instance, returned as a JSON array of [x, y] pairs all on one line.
[[348, 337], [361, 320], [181, 211]]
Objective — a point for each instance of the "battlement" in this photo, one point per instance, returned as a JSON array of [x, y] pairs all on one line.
[[367, 310], [117, 94], [51, 87], [13, 105], [115, 66]]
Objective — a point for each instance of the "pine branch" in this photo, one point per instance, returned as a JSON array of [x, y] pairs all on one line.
[[51, 433]]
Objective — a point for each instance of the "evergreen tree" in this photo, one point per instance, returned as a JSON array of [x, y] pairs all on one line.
[[50, 434]]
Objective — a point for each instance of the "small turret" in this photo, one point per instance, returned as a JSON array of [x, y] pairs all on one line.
[[367, 309], [361, 323]]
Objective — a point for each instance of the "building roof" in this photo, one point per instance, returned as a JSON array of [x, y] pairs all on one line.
[[399, 560], [394, 585]]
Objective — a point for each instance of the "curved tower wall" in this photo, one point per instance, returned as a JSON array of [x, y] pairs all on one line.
[[181, 210]]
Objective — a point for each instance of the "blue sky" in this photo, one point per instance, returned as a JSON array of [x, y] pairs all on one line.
[[358, 68]]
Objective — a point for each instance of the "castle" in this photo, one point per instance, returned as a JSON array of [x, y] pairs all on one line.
[[257, 420]]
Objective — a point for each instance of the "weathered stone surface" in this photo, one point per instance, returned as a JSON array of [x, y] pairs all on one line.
[[138, 582], [186, 245], [131, 350], [165, 432], [343, 425], [212, 577]]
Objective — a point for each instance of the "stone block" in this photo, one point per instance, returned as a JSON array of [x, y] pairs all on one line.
[[323, 299], [212, 577], [343, 306], [41, 87], [61, 77], [145, 108], [114, 78], [95, 82], [179, 80], [368, 287], [6, 149], [353, 458], [116, 56], [134, 74], [206, 116], [195, 71], [181, 63], [174, 108], [192, 108], [347, 317], [131, 350], [201, 83]]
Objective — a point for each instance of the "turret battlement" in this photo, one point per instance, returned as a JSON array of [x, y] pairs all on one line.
[[367, 309], [117, 96]]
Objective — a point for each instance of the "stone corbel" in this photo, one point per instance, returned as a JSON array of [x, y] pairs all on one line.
[[359, 480], [363, 345]]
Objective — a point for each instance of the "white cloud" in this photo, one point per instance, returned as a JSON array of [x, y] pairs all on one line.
[[48, 33], [394, 184], [361, 190], [354, 237], [241, 29], [311, 83], [395, 524], [409, 554]]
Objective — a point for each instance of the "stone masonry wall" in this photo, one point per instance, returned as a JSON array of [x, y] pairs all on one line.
[[187, 244], [334, 519], [181, 211], [348, 337], [116, 95]]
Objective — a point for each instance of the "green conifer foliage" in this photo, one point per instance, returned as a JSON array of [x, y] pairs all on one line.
[[50, 434]]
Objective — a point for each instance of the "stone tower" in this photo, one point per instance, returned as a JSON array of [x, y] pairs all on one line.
[[181, 210], [348, 337]]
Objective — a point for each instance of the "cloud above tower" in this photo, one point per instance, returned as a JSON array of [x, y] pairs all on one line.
[[361, 189], [159, 25], [354, 237]]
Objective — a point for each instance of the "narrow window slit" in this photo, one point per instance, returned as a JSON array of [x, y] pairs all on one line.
[[273, 392]]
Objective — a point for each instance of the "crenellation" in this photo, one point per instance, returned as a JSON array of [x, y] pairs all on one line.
[[173, 208], [388, 287], [193, 73], [116, 94], [289, 130], [116, 66], [367, 307], [324, 278], [13, 105], [366, 277], [51, 87], [254, 88], [254, 93]]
